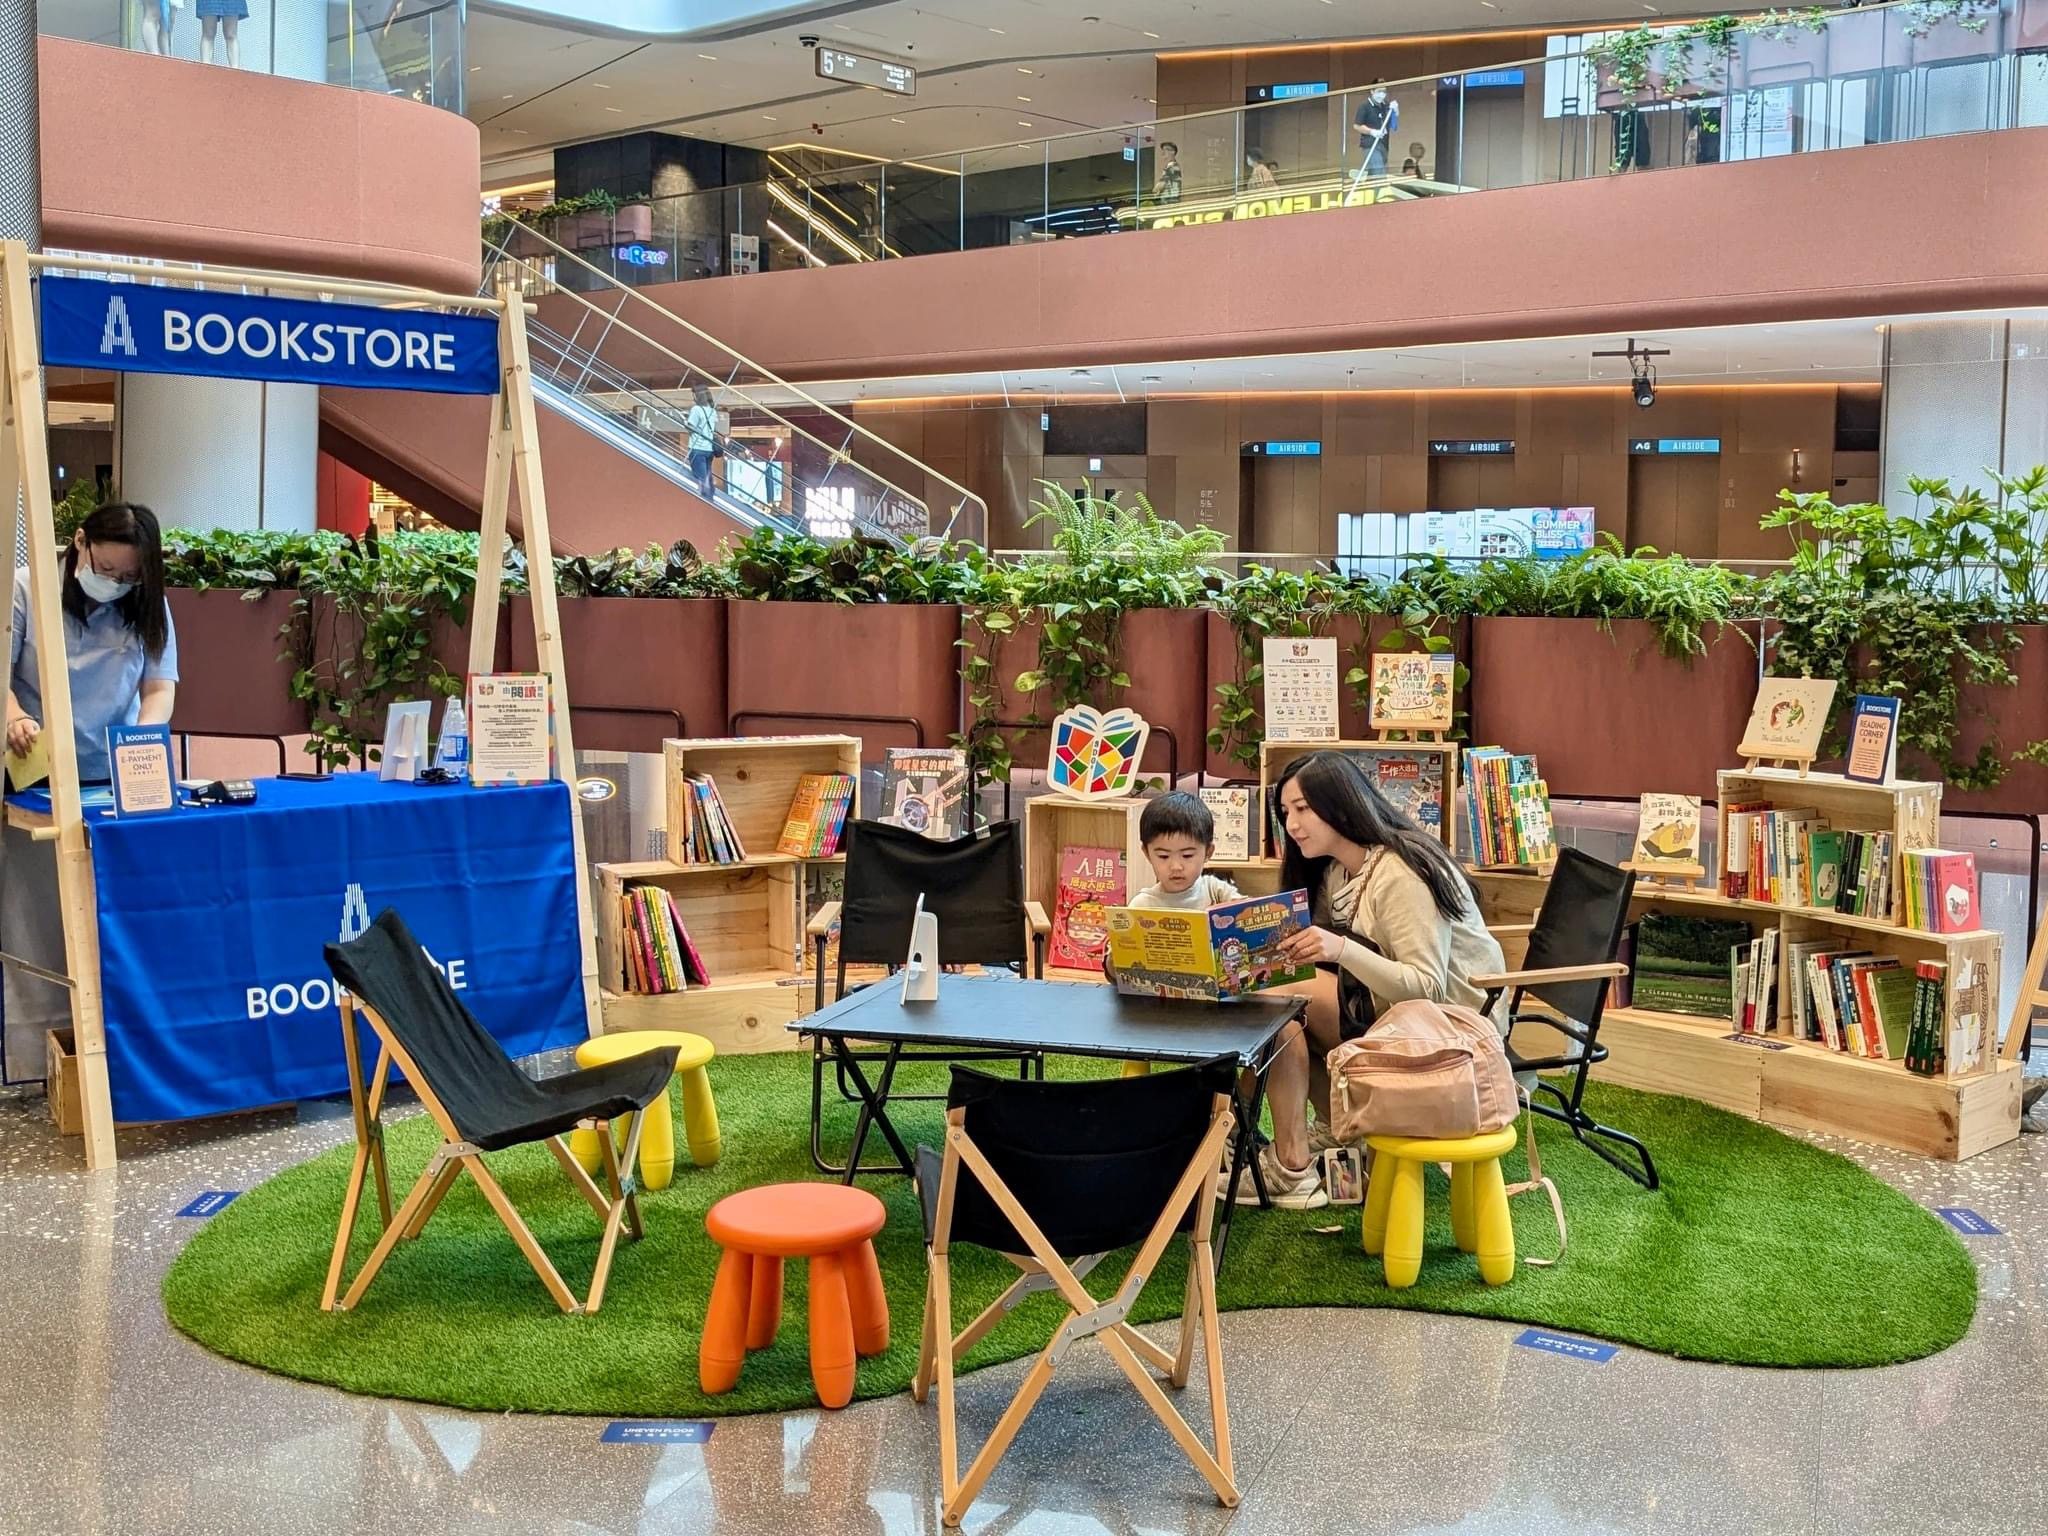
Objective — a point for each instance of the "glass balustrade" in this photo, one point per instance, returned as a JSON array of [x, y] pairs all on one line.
[[1591, 104], [411, 48], [705, 418]]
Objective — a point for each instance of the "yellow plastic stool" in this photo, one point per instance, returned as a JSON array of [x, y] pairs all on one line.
[[658, 1145], [1479, 1203]]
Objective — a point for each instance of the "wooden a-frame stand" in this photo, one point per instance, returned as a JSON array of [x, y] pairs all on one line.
[[513, 458]]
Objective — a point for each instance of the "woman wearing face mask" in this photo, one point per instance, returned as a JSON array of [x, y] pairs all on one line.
[[118, 641]]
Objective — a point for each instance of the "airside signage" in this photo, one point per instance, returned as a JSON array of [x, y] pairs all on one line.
[[131, 328]]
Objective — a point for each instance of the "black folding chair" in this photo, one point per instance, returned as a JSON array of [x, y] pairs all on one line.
[[482, 1102], [1563, 985], [975, 884], [1055, 1176]]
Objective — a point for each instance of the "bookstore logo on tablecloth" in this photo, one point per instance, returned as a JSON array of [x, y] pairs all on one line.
[[319, 992]]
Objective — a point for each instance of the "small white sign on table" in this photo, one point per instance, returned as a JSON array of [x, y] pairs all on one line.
[[1301, 689], [511, 728]]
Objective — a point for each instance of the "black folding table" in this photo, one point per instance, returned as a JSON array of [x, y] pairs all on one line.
[[1060, 1018]]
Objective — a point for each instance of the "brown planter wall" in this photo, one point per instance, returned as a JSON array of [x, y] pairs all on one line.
[[857, 663], [1610, 714], [626, 655], [448, 643], [1165, 653], [1356, 641], [230, 680]]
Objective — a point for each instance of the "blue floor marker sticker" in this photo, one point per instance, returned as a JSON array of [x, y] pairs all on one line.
[[214, 1200], [657, 1431], [1967, 1221], [1566, 1344]]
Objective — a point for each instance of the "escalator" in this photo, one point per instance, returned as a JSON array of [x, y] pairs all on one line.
[[616, 376]]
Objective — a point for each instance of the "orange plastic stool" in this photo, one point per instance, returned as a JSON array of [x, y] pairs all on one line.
[[832, 1226]]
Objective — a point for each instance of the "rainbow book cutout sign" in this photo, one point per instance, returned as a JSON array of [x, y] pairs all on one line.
[[1095, 756]]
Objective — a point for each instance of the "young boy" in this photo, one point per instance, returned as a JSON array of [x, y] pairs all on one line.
[[1178, 835]]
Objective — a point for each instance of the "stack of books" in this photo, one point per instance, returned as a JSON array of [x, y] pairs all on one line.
[[1862, 1004], [1788, 857], [1940, 890], [817, 816], [707, 835], [1753, 979], [1926, 1040], [1507, 809], [656, 953]]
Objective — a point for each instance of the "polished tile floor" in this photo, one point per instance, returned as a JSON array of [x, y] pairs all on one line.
[[1344, 1421]]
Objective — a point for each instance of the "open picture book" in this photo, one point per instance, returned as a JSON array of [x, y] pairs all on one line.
[[1214, 955]]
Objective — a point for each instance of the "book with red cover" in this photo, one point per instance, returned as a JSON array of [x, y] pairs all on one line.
[[1091, 881], [1953, 903], [693, 961]]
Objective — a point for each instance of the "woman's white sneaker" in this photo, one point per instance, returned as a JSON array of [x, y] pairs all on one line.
[[1291, 1189]]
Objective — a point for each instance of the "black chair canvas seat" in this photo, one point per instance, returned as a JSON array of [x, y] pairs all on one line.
[[481, 1100], [975, 886], [1562, 986], [1056, 1175]]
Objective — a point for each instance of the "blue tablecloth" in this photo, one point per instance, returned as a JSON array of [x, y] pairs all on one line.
[[212, 920]]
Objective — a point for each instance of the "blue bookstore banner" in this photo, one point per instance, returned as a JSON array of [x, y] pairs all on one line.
[[216, 993], [132, 328]]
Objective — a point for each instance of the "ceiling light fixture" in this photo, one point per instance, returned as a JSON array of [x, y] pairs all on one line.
[[1022, 124], [771, 117], [898, 120], [709, 57], [1153, 35], [1023, 69], [1642, 376], [1024, 98]]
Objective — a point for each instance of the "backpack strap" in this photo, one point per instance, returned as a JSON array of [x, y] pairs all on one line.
[[1537, 1180]]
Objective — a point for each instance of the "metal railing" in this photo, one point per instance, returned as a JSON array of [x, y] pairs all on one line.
[[1592, 105], [412, 48], [633, 370]]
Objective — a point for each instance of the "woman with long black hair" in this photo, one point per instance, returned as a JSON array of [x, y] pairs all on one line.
[[1395, 917]]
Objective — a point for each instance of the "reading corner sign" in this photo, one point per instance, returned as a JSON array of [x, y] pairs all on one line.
[[133, 328]]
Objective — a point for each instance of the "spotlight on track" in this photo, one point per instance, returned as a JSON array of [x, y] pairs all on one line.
[[1642, 376]]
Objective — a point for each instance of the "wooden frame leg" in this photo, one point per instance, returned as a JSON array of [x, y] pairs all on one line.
[[522, 1235], [921, 1382], [1204, 1265], [622, 1208], [393, 1231], [344, 1232]]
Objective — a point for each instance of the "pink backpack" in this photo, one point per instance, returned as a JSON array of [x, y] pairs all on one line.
[[1424, 1069]]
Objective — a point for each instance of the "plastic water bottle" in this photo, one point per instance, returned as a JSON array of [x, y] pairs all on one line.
[[453, 752]]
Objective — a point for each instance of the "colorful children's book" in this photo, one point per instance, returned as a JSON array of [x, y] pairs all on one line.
[[1091, 882], [1941, 890], [1667, 831], [1212, 956], [1788, 718], [925, 789], [1235, 808], [1413, 782], [1411, 691]]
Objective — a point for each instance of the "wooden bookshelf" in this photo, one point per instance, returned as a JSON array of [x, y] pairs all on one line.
[[743, 920], [1910, 811], [1055, 823], [1790, 1082], [1274, 756], [756, 778]]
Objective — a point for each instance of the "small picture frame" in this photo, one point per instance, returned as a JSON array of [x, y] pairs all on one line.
[[1344, 1175]]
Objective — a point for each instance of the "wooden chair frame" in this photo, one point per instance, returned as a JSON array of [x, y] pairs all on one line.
[[620, 1208], [1087, 1317]]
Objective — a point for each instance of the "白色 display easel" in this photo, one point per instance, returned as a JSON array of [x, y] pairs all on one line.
[[512, 458]]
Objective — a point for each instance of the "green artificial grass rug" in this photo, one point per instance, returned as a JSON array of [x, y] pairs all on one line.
[[1758, 1250]]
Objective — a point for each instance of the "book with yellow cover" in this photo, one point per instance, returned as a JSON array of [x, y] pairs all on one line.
[[1213, 955]]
